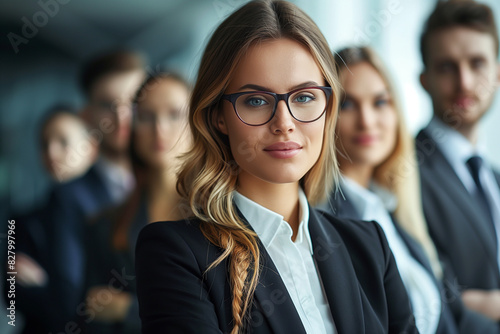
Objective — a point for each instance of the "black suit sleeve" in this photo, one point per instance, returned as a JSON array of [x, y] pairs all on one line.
[[467, 321], [172, 295]]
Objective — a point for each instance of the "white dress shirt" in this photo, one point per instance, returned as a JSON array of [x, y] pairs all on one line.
[[375, 204], [117, 180], [457, 150], [293, 259]]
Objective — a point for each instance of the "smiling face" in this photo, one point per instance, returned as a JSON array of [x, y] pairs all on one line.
[[367, 123], [461, 75], [284, 149]]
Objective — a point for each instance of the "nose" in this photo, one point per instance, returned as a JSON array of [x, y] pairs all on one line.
[[123, 114], [282, 121], [161, 125], [465, 79], [366, 116], [54, 150]]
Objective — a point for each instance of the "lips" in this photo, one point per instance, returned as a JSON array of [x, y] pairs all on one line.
[[365, 139], [463, 102], [283, 150]]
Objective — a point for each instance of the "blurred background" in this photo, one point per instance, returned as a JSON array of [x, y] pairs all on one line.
[[45, 42]]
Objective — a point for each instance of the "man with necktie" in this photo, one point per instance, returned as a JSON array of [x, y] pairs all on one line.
[[460, 189]]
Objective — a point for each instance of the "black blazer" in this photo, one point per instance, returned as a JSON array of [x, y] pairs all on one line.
[[106, 264], [458, 228], [47, 235], [455, 317], [356, 266]]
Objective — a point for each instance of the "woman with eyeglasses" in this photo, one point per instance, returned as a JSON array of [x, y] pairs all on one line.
[[251, 255], [159, 136], [380, 182]]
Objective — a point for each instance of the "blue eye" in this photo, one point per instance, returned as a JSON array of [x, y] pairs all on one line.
[[256, 102], [346, 104], [304, 98], [381, 103]]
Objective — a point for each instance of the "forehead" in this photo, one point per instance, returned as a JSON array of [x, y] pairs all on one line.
[[458, 43], [164, 91], [278, 65], [362, 79], [63, 124], [122, 85]]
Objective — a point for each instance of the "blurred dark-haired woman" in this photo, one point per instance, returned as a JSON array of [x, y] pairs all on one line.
[[159, 137]]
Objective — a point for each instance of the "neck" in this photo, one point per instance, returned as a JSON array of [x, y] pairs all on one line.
[[362, 175], [280, 198], [163, 199], [469, 131], [161, 182]]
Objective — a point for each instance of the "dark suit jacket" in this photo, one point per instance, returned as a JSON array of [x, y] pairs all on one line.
[[458, 228], [356, 266], [455, 317], [106, 264], [54, 238]]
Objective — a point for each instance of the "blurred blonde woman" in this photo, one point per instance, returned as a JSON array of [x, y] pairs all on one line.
[[251, 255], [380, 182]]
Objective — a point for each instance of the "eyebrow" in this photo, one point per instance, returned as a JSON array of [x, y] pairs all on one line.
[[377, 95], [262, 88]]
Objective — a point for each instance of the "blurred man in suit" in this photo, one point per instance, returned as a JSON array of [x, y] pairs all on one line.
[[460, 190], [51, 269]]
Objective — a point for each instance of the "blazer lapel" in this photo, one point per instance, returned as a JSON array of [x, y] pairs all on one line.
[[414, 248], [337, 274], [444, 174], [342, 207]]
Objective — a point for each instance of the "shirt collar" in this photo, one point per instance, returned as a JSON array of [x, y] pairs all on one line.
[[455, 147], [363, 198], [114, 174], [267, 223]]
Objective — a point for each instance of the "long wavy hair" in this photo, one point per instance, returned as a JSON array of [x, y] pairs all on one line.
[[399, 171], [209, 174]]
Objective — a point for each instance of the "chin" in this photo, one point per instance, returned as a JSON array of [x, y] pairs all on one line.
[[283, 177]]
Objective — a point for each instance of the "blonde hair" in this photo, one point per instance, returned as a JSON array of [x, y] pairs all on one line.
[[209, 174], [399, 172]]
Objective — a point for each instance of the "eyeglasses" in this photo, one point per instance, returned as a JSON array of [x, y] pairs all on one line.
[[109, 107], [258, 107], [149, 118]]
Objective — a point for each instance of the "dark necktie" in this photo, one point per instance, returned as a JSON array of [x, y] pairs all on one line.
[[475, 163]]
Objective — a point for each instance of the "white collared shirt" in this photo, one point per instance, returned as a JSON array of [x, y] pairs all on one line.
[[293, 259], [117, 180], [375, 204], [457, 150]]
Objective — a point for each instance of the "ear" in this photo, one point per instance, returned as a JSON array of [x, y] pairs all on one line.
[[423, 81], [221, 123]]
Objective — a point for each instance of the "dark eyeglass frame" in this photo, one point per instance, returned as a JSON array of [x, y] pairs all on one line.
[[278, 97]]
